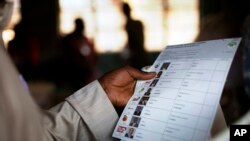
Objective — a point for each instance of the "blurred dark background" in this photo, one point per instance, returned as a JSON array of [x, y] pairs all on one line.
[[59, 52]]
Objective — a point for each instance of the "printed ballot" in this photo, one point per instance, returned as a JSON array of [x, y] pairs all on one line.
[[180, 103]]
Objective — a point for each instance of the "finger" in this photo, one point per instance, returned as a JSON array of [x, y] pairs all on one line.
[[139, 75]]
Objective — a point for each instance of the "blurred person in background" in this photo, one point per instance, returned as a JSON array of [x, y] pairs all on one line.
[[137, 56], [79, 55], [88, 114]]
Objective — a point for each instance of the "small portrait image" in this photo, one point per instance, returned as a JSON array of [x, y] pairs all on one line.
[[144, 100], [165, 66], [147, 93], [138, 110], [121, 129], [159, 74], [154, 82], [135, 121], [130, 132]]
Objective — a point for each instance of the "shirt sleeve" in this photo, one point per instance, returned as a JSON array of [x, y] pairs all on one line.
[[86, 115]]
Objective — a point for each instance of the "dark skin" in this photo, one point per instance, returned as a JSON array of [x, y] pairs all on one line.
[[119, 84]]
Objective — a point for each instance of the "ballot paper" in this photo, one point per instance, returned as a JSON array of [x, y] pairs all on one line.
[[180, 103]]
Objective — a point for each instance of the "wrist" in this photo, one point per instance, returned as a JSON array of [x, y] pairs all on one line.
[[103, 84]]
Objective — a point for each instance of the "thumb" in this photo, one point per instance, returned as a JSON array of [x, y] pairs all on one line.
[[139, 75]]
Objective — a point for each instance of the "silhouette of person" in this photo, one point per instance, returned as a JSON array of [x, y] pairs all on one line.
[[134, 29], [79, 56]]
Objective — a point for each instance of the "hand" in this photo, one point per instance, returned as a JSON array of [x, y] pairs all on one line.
[[119, 84]]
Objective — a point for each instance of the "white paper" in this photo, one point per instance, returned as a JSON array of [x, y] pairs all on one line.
[[181, 102]]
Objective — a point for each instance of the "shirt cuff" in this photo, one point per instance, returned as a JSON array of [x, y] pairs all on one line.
[[96, 110]]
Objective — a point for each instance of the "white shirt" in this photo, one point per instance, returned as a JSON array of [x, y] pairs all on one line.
[[86, 115]]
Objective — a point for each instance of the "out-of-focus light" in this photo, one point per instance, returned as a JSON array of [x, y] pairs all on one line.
[[183, 21], [176, 22], [8, 35], [104, 22], [16, 15]]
